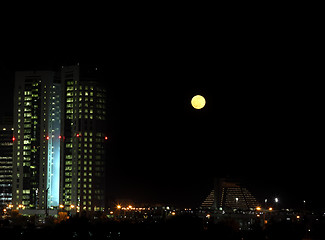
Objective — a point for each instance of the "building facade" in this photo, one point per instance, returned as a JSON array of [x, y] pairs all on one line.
[[6, 139], [83, 145], [35, 116]]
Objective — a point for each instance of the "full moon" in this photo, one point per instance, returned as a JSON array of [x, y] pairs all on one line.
[[198, 102]]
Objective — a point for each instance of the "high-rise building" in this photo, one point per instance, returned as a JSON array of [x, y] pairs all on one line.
[[6, 138], [36, 135], [83, 139], [59, 146]]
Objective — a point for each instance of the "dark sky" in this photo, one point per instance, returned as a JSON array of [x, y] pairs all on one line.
[[260, 77]]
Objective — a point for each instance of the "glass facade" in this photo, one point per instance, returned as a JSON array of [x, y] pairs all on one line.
[[54, 138]]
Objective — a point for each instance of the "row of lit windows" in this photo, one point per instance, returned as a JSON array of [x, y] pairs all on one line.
[[70, 94], [86, 116], [69, 145], [86, 99], [70, 84], [3, 180], [69, 185]]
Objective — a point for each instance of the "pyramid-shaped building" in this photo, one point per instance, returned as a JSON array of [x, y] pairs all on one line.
[[229, 195]]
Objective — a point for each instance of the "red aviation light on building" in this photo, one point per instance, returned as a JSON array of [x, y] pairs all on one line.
[[106, 137], [77, 135], [60, 137], [47, 138], [13, 139]]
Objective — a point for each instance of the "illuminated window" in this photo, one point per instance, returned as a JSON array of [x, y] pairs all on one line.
[[68, 145]]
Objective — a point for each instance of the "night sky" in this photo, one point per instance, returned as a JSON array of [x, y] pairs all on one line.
[[261, 79]]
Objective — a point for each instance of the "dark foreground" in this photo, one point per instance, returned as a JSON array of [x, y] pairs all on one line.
[[178, 227]]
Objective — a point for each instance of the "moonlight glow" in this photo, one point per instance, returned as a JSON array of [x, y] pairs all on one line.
[[198, 102]]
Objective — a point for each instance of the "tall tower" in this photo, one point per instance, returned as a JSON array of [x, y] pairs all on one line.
[[83, 134], [35, 127]]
